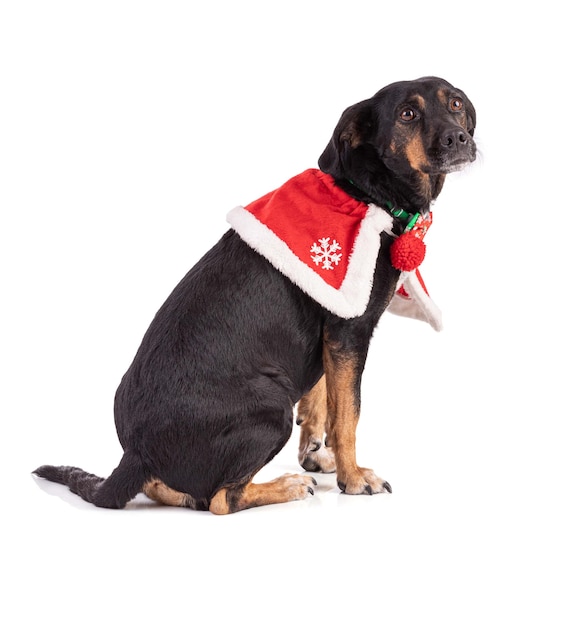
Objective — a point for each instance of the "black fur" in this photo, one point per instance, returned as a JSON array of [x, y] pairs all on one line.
[[360, 152], [209, 397]]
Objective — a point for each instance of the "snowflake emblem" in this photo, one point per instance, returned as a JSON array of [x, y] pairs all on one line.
[[326, 253]]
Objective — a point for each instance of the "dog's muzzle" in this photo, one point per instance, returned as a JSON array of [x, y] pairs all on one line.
[[456, 149]]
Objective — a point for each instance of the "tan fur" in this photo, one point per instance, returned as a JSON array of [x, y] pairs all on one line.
[[420, 101], [415, 153], [343, 414], [283, 489], [312, 416], [160, 492]]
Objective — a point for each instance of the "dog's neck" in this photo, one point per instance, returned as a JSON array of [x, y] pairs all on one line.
[[403, 218], [371, 180]]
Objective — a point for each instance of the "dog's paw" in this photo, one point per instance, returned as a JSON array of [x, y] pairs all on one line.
[[317, 458], [363, 481], [297, 486]]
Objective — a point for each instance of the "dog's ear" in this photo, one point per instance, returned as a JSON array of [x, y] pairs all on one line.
[[355, 127]]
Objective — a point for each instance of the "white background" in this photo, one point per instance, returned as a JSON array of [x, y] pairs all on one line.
[[128, 131]]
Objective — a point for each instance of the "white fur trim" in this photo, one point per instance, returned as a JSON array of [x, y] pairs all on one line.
[[352, 298], [419, 305]]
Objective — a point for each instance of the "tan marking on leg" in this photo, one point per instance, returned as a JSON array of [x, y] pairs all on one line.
[[343, 407], [314, 455], [219, 504], [312, 407], [157, 490], [343, 412], [283, 489]]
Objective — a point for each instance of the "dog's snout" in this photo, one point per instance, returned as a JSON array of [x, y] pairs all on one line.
[[454, 139]]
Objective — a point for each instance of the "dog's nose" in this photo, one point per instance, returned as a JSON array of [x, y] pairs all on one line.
[[454, 139]]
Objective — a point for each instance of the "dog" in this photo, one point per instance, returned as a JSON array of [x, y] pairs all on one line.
[[242, 344]]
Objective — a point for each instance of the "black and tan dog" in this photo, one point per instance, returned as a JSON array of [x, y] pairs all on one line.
[[210, 396]]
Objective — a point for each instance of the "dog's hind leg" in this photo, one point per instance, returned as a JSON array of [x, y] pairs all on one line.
[[157, 490], [314, 455], [283, 489]]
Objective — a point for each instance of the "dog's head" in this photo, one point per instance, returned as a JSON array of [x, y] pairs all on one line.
[[400, 144]]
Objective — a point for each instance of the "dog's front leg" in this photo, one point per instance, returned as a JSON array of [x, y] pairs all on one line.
[[315, 455], [343, 370]]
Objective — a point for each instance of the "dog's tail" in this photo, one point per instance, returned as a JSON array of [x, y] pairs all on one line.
[[125, 482]]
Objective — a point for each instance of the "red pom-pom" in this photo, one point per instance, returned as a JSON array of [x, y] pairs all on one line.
[[407, 252]]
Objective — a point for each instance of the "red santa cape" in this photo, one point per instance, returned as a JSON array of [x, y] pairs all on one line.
[[327, 243]]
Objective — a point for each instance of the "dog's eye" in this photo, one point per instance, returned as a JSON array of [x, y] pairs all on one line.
[[408, 114], [456, 104]]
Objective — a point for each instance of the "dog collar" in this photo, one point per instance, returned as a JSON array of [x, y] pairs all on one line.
[[409, 219]]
